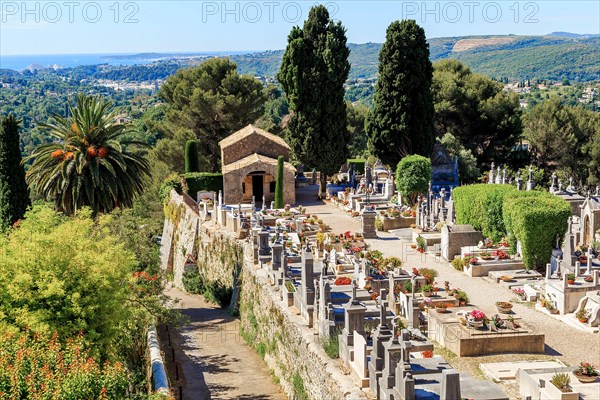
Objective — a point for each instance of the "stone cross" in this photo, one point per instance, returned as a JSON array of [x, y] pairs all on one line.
[[504, 176], [570, 188], [253, 203], [264, 205], [354, 286], [560, 186], [498, 177], [491, 179]]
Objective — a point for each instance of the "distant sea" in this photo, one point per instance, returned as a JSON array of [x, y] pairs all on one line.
[[72, 60]]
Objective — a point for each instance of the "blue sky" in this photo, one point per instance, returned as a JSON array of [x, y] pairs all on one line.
[[80, 26]]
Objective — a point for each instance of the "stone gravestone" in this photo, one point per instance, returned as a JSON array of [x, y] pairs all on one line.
[[368, 223]]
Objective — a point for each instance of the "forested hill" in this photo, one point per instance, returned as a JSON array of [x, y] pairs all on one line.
[[553, 57]]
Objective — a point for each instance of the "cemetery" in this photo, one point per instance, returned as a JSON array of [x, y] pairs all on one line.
[[305, 287]]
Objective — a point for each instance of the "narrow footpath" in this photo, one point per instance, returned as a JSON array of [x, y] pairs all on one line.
[[212, 359]]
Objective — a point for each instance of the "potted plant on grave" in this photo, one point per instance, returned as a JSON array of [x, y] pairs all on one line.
[[561, 381], [343, 280], [427, 290], [442, 308], [497, 322], [589, 279], [461, 296], [504, 307], [520, 293], [473, 261], [571, 279], [476, 318], [486, 256], [421, 244], [583, 315], [550, 307], [427, 354], [586, 373]]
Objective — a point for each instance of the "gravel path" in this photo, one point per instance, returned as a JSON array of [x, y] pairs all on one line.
[[562, 341], [216, 362]]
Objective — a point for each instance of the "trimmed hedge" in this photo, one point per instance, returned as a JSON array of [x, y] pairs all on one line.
[[172, 181], [536, 220], [481, 206], [192, 159], [359, 164], [198, 181], [279, 201]]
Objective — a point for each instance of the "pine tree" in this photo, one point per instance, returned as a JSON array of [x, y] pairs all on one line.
[[14, 193], [401, 122], [192, 160], [279, 201], [313, 71]]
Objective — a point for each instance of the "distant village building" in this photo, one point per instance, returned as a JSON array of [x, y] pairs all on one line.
[[249, 160]]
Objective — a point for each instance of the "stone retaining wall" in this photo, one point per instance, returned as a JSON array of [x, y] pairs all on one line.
[[290, 349]]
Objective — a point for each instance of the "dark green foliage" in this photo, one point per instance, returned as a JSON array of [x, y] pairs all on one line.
[[562, 138], [313, 71], [211, 101], [173, 181], [192, 160], [481, 206], [536, 219], [279, 201], [359, 164], [476, 110], [193, 282], [413, 175], [213, 291], [357, 114], [14, 193], [401, 122], [199, 181]]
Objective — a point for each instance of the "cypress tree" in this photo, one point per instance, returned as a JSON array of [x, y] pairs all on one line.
[[401, 122], [279, 201], [192, 161], [313, 71], [14, 193]]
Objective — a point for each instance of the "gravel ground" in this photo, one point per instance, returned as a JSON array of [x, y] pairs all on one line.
[[563, 342]]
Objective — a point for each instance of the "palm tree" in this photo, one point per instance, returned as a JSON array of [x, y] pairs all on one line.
[[89, 163]]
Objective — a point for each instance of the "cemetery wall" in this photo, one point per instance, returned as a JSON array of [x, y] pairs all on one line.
[[179, 236], [290, 349]]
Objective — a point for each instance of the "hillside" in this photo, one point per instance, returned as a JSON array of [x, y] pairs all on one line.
[[552, 57]]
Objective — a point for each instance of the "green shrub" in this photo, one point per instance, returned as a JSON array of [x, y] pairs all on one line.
[[458, 264], [193, 282], [481, 206], [192, 159], [359, 164], [217, 293], [299, 389], [536, 221], [379, 224], [172, 182], [279, 201], [331, 345], [213, 291], [413, 175], [199, 181], [561, 381]]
